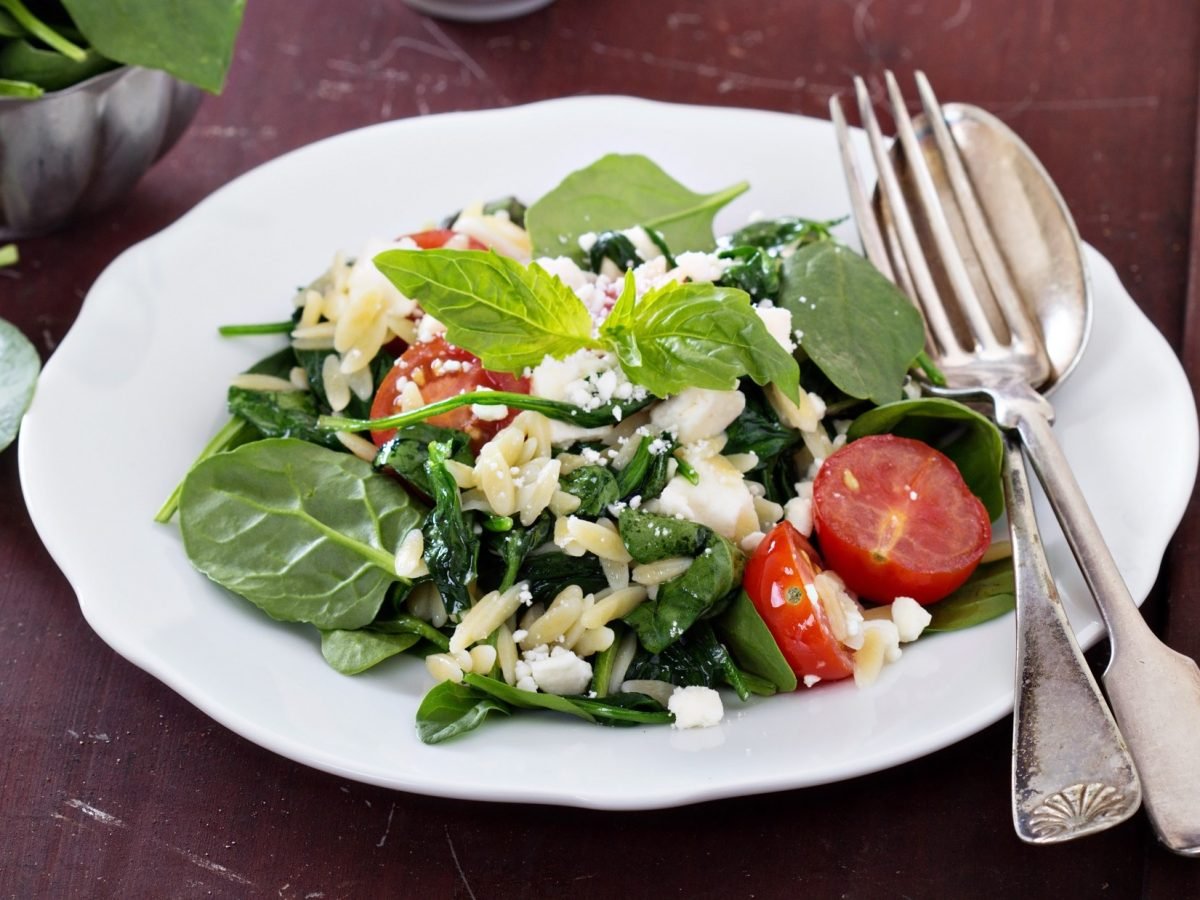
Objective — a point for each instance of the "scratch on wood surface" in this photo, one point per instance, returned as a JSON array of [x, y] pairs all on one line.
[[195, 859], [729, 79], [960, 15], [387, 828], [1070, 104], [458, 865], [457, 51]]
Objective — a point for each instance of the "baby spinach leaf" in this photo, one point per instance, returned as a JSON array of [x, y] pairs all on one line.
[[646, 474], [192, 41], [853, 323], [697, 658], [510, 206], [526, 699], [514, 545], [750, 641], [406, 452], [304, 533], [19, 367], [616, 709], [619, 191], [595, 486], [758, 430], [716, 570], [695, 335], [352, 652], [625, 709], [615, 246], [403, 623], [449, 710], [451, 546], [20, 60], [754, 271], [970, 439], [509, 315], [290, 414], [549, 573], [987, 594], [774, 235], [604, 661]]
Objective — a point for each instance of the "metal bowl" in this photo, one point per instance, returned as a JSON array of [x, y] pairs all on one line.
[[77, 150]]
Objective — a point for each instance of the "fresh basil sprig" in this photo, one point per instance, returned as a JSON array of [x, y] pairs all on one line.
[[513, 316]]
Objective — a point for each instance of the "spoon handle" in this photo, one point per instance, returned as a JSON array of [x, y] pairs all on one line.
[[1154, 691], [1071, 771]]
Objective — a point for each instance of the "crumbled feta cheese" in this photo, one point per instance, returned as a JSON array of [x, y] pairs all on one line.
[[693, 266], [645, 247], [695, 707], [798, 511], [562, 672], [720, 499], [565, 269], [910, 618], [695, 414], [489, 413], [429, 329]]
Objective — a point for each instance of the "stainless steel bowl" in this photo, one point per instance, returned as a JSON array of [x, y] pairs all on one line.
[[76, 150]]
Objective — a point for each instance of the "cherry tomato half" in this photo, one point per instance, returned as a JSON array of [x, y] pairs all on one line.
[[894, 518], [442, 370], [779, 581], [436, 238]]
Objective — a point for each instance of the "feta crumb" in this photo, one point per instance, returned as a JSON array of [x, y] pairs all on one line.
[[798, 511], [910, 618], [695, 707], [810, 680], [562, 672], [779, 324], [697, 414]]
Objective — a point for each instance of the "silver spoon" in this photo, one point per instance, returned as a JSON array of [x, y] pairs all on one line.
[[1154, 692]]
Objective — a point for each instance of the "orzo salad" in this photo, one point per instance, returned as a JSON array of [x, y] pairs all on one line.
[[584, 457]]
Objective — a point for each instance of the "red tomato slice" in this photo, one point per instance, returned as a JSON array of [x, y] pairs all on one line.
[[436, 238], [442, 370], [895, 519], [779, 582]]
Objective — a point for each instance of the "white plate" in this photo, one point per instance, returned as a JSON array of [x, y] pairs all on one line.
[[137, 388]]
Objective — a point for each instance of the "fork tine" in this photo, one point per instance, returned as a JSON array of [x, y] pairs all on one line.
[[1016, 315], [969, 303], [925, 291]]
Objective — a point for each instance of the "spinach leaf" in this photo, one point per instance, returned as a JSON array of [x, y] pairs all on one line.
[[192, 41], [548, 573], [751, 644], [19, 367], [695, 335], [406, 452], [510, 205], [697, 658], [21, 22], [595, 486], [514, 545], [987, 594], [972, 440], [754, 271], [291, 414], [647, 473], [509, 315], [716, 570], [21, 60], [604, 661], [403, 623], [618, 192], [775, 235], [313, 362], [449, 710], [853, 323], [304, 533], [451, 546], [758, 430], [352, 652], [613, 710], [615, 246]]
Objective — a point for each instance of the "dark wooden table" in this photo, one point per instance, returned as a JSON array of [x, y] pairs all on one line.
[[111, 785]]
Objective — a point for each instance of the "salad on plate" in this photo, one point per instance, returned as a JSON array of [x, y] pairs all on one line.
[[584, 457]]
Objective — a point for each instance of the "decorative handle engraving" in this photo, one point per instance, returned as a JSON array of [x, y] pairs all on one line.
[[1079, 807]]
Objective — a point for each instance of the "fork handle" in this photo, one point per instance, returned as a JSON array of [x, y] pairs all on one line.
[[1071, 771], [1154, 691]]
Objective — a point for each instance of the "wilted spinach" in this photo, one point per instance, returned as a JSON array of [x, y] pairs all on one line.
[[754, 271], [614, 246], [450, 709], [548, 573], [451, 546], [775, 235], [647, 473], [595, 486], [697, 658], [514, 545], [407, 451]]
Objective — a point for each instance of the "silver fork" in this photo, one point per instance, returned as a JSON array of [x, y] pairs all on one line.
[[1072, 773]]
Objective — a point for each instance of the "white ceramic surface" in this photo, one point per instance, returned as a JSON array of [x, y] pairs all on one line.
[[138, 387]]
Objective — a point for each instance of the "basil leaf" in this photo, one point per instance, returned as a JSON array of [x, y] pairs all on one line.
[[450, 709], [618, 192], [509, 315], [451, 546], [19, 367], [988, 594], [304, 533], [970, 439], [192, 41], [352, 652], [695, 335], [854, 324], [750, 641]]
